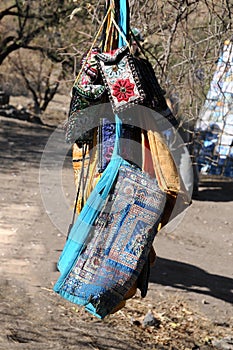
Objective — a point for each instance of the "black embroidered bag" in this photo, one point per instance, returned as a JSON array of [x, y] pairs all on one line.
[[120, 78]]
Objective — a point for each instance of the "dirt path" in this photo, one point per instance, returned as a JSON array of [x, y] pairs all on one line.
[[192, 280]]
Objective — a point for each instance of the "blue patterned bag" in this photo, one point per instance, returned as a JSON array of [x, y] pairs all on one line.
[[118, 244]]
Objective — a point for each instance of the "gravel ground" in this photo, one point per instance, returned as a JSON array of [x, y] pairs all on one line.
[[190, 292]]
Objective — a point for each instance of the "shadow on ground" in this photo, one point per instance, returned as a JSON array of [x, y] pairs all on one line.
[[25, 142], [215, 189], [191, 278]]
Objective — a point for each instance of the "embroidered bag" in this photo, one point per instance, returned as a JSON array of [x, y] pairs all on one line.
[[155, 95], [106, 141], [109, 244], [120, 78], [118, 246], [87, 91]]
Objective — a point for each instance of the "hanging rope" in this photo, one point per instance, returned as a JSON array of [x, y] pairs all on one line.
[[108, 27], [93, 43]]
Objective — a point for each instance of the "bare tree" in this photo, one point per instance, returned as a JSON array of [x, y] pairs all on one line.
[[24, 21], [184, 38], [41, 30], [41, 79]]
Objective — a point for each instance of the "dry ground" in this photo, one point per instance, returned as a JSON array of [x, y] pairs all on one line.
[[190, 292]]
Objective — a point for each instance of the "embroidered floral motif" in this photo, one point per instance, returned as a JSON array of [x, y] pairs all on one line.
[[123, 89], [120, 78], [116, 70]]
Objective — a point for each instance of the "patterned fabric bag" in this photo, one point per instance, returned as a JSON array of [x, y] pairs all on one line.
[[107, 248], [87, 91], [106, 141], [120, 78], [118, 245], [155, 95]]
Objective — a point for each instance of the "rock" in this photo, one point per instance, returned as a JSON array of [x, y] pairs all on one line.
[[150, 320], [135, 322], [223, 344]]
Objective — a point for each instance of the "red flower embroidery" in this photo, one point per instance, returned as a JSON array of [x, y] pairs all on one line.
[[123, 89]]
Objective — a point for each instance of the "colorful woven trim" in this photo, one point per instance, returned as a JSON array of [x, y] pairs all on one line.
[[120, 78], [89, 91], [106, 141]]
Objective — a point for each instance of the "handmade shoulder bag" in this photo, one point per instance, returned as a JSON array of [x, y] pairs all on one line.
[[109, 244], [130, 80], [88, 90], [155, 95], [120, 78]]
